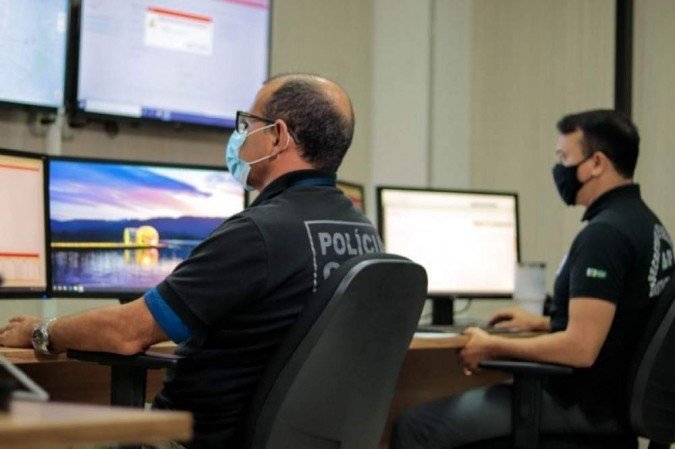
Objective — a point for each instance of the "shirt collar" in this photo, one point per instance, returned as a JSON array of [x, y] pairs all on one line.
[[609, 198], [289, 180]]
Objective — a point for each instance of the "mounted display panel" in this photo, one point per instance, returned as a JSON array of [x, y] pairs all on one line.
[[182, 61], [33, 34]]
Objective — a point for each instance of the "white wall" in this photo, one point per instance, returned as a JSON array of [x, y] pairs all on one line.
[[653, 100], [450, 94], [400, 92]]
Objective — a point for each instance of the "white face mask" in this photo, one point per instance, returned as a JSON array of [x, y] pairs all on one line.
[[238, 167]]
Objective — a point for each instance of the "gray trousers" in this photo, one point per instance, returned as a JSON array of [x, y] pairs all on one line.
[[482, 414]]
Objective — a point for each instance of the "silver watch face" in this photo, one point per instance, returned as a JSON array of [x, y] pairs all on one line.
[[40, 338]]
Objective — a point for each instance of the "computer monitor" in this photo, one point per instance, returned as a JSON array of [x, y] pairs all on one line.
[[466, 240], [181, 61], [23, 247], [354, 192], [119, 228], [33, 34]]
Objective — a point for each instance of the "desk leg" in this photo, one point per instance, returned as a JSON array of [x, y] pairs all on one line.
[[127, 386]]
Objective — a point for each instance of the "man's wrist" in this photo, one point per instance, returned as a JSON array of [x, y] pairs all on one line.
[[41, 339], [544, 324], [493, 347]]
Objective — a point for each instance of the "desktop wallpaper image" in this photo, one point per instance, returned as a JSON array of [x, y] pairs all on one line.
[[122, 227]]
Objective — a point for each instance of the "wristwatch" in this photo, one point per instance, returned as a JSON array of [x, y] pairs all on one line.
[[40, 340]]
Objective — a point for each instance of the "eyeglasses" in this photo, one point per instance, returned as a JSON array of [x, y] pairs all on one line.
[[244, 119]]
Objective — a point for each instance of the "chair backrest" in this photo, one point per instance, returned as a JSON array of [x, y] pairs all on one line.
[[331, 382], [652, 391]]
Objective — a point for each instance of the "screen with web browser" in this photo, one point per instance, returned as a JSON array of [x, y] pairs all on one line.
[[467, 241], [172, 60], [23, 252]]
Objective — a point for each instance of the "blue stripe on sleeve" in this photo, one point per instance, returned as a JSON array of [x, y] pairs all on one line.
[[167, 319]]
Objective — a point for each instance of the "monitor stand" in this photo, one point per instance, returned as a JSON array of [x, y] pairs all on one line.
[[442, 310]]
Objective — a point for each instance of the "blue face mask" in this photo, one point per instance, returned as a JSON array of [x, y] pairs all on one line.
[[238, 167]]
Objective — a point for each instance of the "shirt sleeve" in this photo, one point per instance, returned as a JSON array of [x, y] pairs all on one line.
[[226, 270], [599, 263], [166, 318]]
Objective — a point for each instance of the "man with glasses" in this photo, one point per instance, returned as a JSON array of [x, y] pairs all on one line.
[[232, 302], [604, 291]]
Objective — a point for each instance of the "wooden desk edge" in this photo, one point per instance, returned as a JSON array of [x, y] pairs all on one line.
[[53, 424], [24, 356]]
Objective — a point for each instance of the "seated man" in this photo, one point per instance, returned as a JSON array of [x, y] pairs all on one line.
[[231, 303], [604, 291]]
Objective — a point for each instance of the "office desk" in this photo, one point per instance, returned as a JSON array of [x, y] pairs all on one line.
[[46, 425], [430, 371], [71, 381]]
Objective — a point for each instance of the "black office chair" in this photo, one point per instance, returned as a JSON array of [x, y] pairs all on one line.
[[331, 382], [651, 386], [330, 385]]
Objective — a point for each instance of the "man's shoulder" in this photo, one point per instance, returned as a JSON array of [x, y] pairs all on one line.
[[294, 206], [599, 234], [632, 218]]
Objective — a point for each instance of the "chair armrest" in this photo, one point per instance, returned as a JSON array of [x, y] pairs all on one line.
[[518, 367], [148, 360]]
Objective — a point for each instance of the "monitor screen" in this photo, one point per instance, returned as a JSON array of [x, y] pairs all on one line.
[[354, 192], [33, 51], [172, 60], [119, 228], [23, 249], [467, 241]]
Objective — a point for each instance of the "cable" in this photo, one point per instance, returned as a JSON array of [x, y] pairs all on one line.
[[34, 393], [465, 308]]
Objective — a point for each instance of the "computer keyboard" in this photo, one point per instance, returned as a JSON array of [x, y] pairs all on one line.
[[461, 326]]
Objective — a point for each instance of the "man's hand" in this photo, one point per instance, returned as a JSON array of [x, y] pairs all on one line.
[[19, 331], [475, 351], [515, 318]]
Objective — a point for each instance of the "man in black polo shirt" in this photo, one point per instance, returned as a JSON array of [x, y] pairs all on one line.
[[605, 288], [233, 300]]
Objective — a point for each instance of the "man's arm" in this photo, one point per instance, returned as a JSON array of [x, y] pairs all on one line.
[[579, 345], [126, 329], [516, 318]]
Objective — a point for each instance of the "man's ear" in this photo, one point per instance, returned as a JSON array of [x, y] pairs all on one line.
[[601, 162], [283, 139]]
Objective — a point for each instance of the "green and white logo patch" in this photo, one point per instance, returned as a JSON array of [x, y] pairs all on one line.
[[595, 273]]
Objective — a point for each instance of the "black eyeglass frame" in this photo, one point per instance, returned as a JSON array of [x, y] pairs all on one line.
[[241, 115]]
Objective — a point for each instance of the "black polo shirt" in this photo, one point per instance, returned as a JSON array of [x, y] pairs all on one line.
[[623, 255], [244, 286]]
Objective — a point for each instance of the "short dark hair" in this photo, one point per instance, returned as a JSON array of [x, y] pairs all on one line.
[[608, 131], [323, 132]]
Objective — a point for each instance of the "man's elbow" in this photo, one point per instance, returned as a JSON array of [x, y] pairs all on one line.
[[583, 362], [130, 347], [129, 343], [583, 355]]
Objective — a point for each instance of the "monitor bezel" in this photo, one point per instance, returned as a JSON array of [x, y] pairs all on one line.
[[44, 293], [122, 295], [355, 185], [49, 108], [72, 91], [451, 294]]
